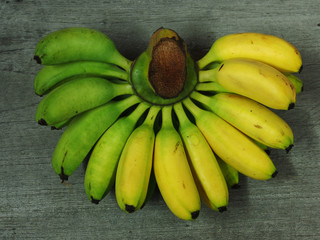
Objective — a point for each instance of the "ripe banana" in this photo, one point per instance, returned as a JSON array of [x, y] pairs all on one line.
[[51, 76], [77, 96], [266, 48], [230, 174], [254, 80], [103, 162], [172, 171], [203, 162], [135, 165], [83, 132], [78, 44], [232, 146], [250, 117]]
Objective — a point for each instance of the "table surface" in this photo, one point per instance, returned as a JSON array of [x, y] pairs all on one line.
[[33, 202]]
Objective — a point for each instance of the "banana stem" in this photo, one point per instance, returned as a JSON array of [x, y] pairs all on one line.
[[128, 102], [123, 89], [182, 116], [167, 117], [152, 115], [141, 108], [194, 109], [210, 86], [201, 98], [208, 75]]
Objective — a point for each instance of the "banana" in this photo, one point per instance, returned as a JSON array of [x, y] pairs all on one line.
[[254, 80], [266, 48], [210, 87], [230, 174], [103, 162], [78, 44], [51, 76], [250, 117], [77, 96], [135, 165], [172, 171], [296, 82], [203, 161], [83, 132], [232, 146]]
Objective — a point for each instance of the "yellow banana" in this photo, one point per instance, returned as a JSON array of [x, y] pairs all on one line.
[[203, 161], [172, 171], [102, 165], [250, 117], [266, 48], [254, 80], [231, 145], [135, 164]]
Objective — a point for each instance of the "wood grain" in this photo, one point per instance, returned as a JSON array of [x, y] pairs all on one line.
[[33, 202]]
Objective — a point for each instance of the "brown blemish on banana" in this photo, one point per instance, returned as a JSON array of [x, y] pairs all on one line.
[[257, 126], [221, 67], [176, 147]]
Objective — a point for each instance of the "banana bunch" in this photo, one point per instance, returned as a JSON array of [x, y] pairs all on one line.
[[164, 120]]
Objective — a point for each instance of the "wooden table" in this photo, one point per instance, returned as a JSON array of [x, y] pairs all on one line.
[[33, 202]]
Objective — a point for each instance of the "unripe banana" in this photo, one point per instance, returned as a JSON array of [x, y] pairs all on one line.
[[172, 171], [232, 146], [135, 164], [78, 44], [254, 80], [250, 117], [266, 48], [51, 76], [230, 174], [77, 96], [83, 132], [296, 82], [103, 162], [203, 162]]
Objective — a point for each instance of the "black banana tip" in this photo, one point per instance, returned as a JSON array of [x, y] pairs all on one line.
[[37, 58], [222, 209], [42, 122], [235, 186], [95, 201], [130, 208], [291, 106], [63, 177], [302, 88], [289, 148], [268, 151], [195, 214], [274, 174], [301, 68]]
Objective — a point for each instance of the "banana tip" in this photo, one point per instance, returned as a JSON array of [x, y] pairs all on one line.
[[37, 58], [195, 214], [130, 208], [235, 186], [291, 106], [42, 122], [274, 174], [95, 201], [300, 69], [222, 209], [289, 148], [63, 177]]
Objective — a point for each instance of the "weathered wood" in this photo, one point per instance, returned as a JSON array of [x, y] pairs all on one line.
[[33, 203]]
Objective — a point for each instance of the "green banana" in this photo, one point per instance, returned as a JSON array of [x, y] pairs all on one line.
[[83, 132], [78, 44], [75, 97], [135, 164], [296, 82], [103, 162], [51, 76], [230, 174]]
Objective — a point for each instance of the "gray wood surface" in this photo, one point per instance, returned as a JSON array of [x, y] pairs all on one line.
[[33, 202]]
